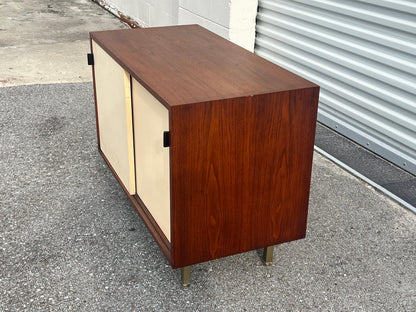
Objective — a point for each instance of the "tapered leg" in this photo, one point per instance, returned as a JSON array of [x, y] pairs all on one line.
[[186, 276], [268, 255]]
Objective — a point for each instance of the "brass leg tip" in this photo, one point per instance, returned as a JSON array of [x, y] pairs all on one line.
[[186, 285], [268, 256], [186, 276]]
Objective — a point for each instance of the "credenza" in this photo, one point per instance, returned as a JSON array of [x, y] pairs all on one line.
[[211, 143]]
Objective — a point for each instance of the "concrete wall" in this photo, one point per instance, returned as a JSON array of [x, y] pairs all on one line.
[[146, 13], [232, 19], [243, 15], [212, 14]]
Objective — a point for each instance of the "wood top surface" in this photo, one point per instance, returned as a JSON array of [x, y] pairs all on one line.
[[189, 64]]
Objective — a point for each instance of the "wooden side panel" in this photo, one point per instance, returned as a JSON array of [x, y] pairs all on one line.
[[114, 114], [240, 173], [151, 119]]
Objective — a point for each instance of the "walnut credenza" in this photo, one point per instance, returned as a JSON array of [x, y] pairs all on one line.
[[212, 144]]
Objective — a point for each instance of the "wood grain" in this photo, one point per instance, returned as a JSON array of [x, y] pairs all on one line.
[[241, 140], [240, 173], [189, 64]]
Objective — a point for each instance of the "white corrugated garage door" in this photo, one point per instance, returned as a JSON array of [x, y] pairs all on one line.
[[363, 55]]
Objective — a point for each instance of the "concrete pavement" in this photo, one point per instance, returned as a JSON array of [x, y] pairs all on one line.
[[46, 41], [70, 240]]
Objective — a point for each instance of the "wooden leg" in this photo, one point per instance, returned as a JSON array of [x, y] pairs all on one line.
[[186, 276], [268, 255]]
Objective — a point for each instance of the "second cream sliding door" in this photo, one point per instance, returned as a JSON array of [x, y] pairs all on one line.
[[151, 119]]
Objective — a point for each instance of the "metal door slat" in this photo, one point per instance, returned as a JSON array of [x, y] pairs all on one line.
[[363, 55]]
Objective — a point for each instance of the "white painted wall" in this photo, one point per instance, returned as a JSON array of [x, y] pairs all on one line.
[[212, 14], [232, 19], [243, 15], [146, 13]]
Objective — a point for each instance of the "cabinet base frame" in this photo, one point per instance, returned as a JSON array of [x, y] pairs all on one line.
[[186, 271]]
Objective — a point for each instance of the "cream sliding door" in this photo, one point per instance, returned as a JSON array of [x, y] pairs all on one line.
[[151, 119], [114, 112]]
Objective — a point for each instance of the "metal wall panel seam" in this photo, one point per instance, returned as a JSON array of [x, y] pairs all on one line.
[[344, 90], [380, 34], [378, 15], [379, 51], [363, 54], [344, 58], [401, 5], [377, 124], [399, 136], [350, 77], [367, 140]]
